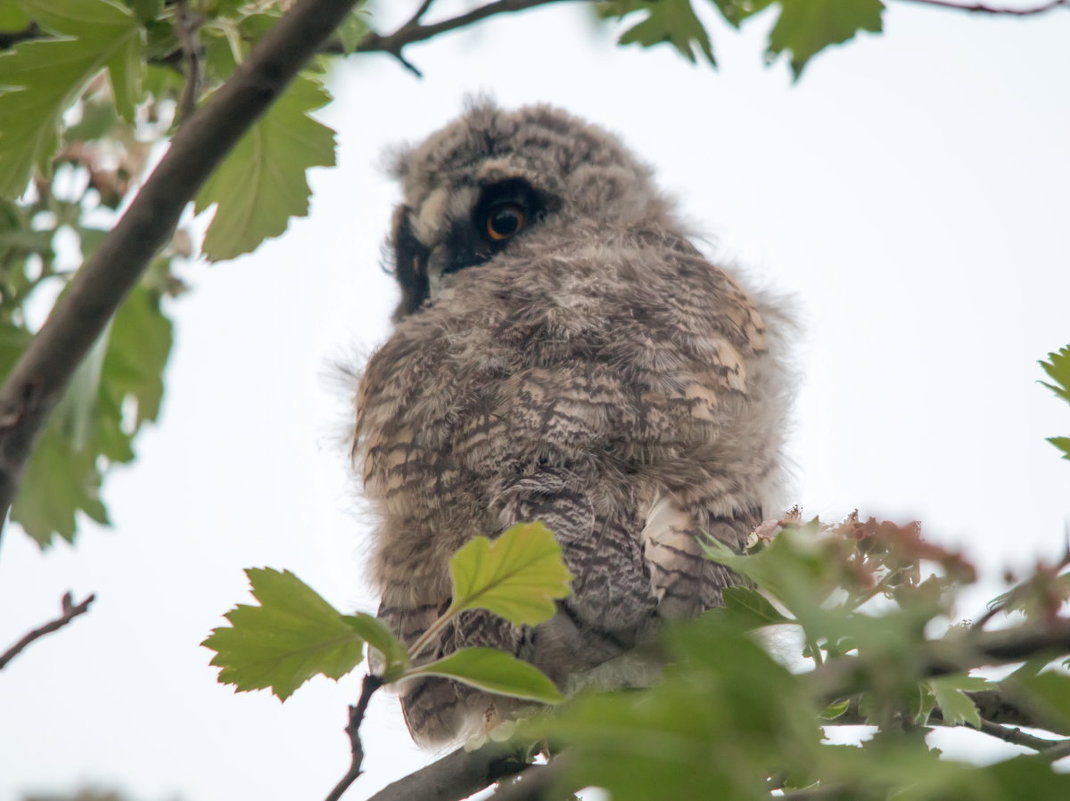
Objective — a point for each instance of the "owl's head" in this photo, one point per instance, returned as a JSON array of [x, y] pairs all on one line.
[[495, 180]]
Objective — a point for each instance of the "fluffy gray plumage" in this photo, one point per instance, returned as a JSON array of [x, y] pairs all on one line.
[[589, 369]]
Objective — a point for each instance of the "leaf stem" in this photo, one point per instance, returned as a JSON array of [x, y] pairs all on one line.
[[424, 639]]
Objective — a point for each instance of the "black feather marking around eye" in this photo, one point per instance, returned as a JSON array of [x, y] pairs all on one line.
[[410, 265]]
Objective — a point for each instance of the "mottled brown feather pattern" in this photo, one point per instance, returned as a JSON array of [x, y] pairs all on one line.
[[597, 373]]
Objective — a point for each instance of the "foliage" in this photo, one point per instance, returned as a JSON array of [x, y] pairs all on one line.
[[731, 718], [294, 634]]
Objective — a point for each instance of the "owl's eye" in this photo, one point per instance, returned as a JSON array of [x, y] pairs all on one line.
[[504, 220]]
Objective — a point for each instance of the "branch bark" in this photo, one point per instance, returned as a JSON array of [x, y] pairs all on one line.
[[457, 775], [981, 8], [842, 678], [42, 373], [70, 609], [356, 717]]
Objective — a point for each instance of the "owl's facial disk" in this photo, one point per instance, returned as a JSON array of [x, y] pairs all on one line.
[[437, 240]]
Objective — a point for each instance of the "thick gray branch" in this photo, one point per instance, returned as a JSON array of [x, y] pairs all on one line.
[[42, 373], [981, 8], [457, 775]]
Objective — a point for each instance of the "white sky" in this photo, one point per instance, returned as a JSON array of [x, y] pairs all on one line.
[[911, 193]]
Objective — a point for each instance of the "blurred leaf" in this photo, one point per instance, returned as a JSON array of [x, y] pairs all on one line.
[[516, 576], [1058, 369], [261, 184], [292, 636], [374, 632], [353, 28], [12, 17], [46, 76], [736, 11], [1062, 443], [89, 431], [724, 716], [806, 27], [146, 10], [140, 343], [752, 606], [955, 706], [1046, 695], [666, 21], [494, 671], [836, 710]]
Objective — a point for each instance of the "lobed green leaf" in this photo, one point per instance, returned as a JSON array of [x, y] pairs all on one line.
[[516, 576], [806, 27], [261, 184], [44, 77], [292, 636], [493, 671]]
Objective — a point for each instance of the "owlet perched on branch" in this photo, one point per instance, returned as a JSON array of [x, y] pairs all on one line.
[[562, 354]]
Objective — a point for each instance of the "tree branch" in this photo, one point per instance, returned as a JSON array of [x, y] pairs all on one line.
[[70, 609], [981, 8], [1017, 737], [844, 677], [356, 717], [533, 784], [186, 24], [457, 775], [43, 371], [413, 31]]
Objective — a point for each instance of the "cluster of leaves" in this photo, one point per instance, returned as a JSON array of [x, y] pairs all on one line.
[[733, 719], [737, 713], [90, 90], [294, 634], [803, 28]]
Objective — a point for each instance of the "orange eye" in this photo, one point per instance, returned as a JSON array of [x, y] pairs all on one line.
[[504, 220]]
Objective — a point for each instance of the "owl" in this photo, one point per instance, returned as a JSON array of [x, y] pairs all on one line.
[[561, 353]]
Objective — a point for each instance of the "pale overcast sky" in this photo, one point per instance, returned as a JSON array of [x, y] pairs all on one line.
[[911, 193]]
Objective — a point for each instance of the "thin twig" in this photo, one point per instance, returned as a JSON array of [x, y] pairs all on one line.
[[1058, 751], [186, 25], [1015, 736], [356, 717], [39, 378], [70, 609], [981, 8], [413, 31]]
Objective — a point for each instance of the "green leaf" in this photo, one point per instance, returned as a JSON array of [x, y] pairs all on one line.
[[146, 10], [737, 11], [1062, 443], [833, 711], [353, 28], [1047, 695], [806, 27], [292, 636], [12, 17], [261, 184], [516, 576], [955, 706], [374, 632], [494, 671], [752, 607], [138, 349], [666, 21], [44, 77], [1058, 369]]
